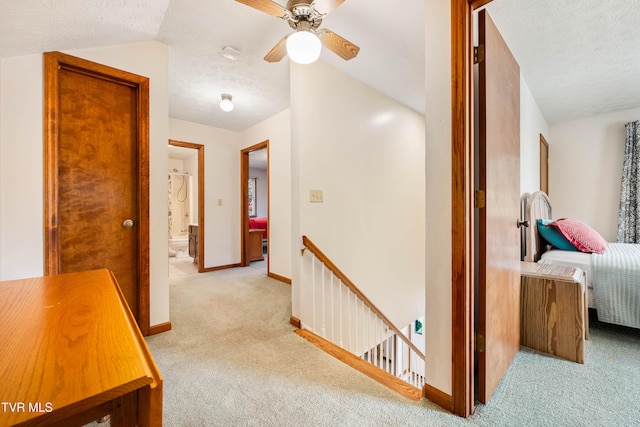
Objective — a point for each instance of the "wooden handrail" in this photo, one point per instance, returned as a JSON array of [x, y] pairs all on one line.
[[307, 243]]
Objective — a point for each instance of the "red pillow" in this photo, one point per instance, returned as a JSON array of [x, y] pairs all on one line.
[[583, 237]]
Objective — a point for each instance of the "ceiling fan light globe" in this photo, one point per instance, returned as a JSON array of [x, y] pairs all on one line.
[[303, 47]]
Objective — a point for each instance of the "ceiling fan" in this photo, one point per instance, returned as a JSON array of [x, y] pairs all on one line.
[[304, 16]]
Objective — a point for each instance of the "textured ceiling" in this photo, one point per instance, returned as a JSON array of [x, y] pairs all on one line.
[[391, 57], [34, 26], [577, 58]]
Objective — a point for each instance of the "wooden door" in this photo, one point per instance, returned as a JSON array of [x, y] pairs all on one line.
[[96, 154], [498, 326], [544, 165]]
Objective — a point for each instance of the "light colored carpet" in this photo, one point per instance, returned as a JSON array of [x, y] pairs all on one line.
[[232, 359]]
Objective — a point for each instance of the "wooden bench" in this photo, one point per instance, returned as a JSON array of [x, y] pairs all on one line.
[[553, 310]]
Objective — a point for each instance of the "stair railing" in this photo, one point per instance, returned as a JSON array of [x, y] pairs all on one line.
[[344, 316]]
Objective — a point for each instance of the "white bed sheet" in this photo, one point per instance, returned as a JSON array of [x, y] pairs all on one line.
[[580, 260]]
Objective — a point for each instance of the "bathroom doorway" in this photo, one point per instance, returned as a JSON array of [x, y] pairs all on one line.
[[186, 208]]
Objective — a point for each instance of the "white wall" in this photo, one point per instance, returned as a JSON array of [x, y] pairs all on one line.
[[438, 323], [277, 129], [221, 182], [366, 153], [532, 124], [21, 140], [21, 194], [1, 164], [585, 169]]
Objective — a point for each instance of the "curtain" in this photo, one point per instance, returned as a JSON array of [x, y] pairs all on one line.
[[629, 214]]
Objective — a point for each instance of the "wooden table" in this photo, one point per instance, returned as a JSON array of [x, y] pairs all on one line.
[[553, 309], [71, 352]]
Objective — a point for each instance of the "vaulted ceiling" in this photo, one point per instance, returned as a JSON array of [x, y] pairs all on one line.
[[577, 58]]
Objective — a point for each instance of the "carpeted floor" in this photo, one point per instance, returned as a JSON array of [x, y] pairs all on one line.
[[232, 359]]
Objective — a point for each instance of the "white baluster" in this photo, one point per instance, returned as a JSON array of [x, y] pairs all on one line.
[[364, 341], [410, 359], [323, 333], [355, 323], [333, 313], [413, 367], [378, 344], [372, 337], [389, 355], [313, 292], [379, 340], [396, 354], [349, 321], [386, 351], [341, 320], [405, 358], [383, 349]]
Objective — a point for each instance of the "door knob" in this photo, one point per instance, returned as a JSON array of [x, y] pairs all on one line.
[[523, 223], [127, 223]]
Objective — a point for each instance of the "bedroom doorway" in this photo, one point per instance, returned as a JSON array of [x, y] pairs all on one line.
[[186, 207], [254, 174]]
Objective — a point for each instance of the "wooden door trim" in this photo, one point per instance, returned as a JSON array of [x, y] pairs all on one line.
[[244, 204], [462, 206], [54, 61], [477, 4], [201, 221]]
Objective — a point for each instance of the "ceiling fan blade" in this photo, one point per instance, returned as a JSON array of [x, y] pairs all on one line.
[[326, 6], [340, 46], [278, 52], [266, 6]]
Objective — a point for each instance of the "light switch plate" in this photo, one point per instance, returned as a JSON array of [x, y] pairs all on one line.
[[316, 196]]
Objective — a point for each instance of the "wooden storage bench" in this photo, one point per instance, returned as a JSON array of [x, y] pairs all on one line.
[[553, 310]]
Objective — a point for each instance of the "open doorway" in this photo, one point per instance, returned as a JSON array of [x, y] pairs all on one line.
[[255, 206], [186, 208]]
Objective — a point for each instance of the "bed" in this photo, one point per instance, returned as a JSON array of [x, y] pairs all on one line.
[[612, 277], [259, 224]]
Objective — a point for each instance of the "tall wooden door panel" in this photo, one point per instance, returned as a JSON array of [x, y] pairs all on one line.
[[499, 245], [97, 172], [544, 165]]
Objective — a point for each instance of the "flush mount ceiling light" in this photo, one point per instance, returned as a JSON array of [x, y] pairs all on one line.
[[230, 52], [303, 47], [226, 104]]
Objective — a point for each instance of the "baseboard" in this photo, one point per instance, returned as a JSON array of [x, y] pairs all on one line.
[[280, 278], [160, 328], [372, 371], [221, 267], [295, 322], [438, 397]]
